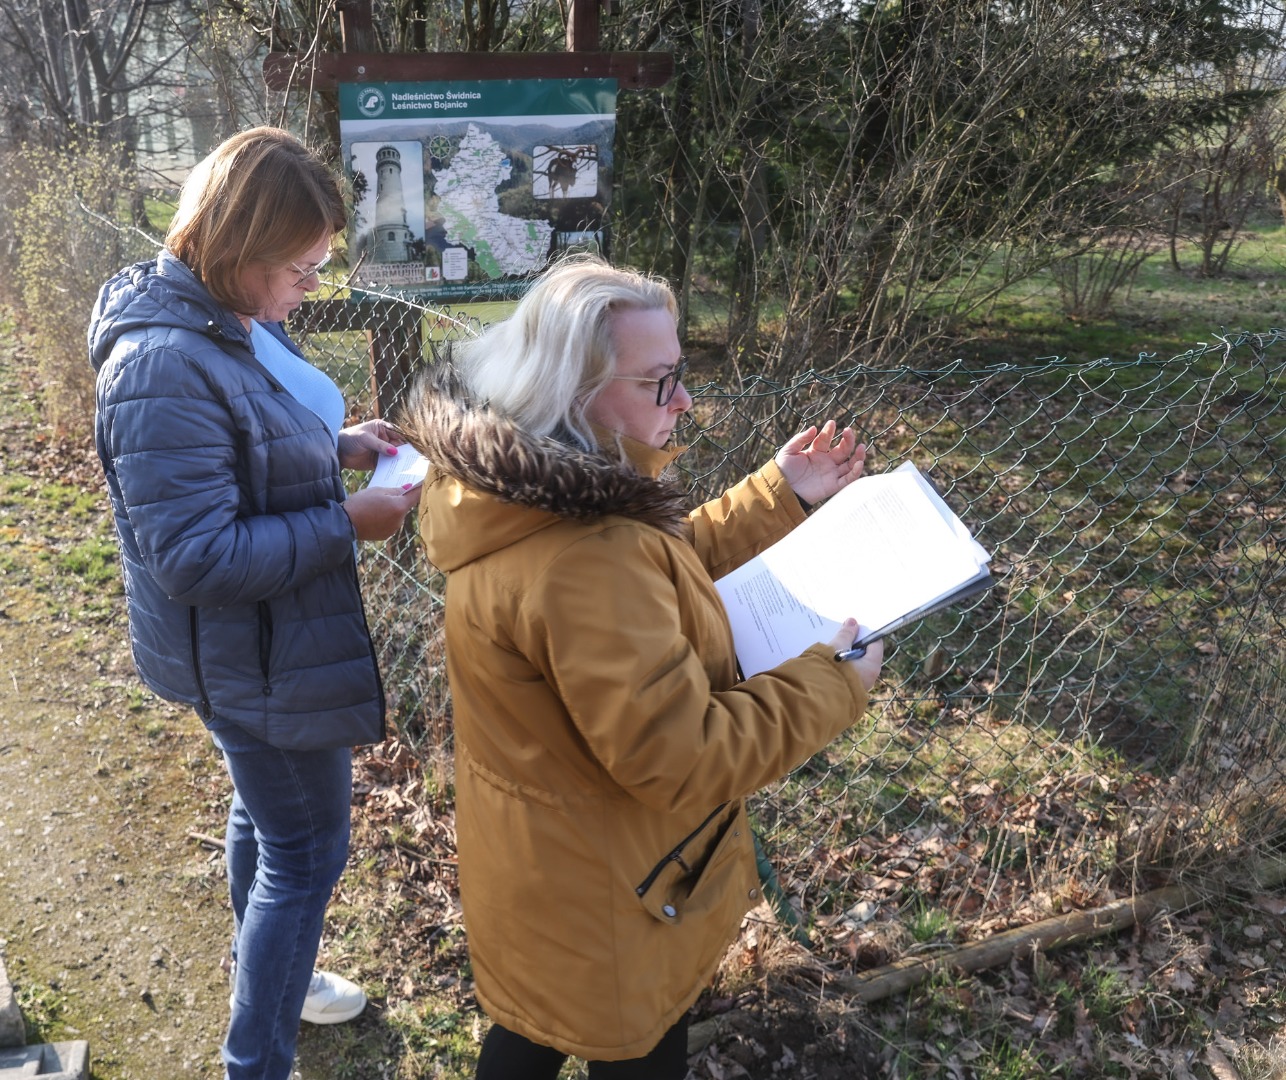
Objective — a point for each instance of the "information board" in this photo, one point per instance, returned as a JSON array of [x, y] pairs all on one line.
[[467, 189]]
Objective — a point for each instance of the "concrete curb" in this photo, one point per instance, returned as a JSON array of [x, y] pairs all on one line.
[[13, 1031], [53, 1061]]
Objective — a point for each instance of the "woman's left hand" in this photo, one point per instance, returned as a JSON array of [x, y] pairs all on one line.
[[362, 445], [816, 464]]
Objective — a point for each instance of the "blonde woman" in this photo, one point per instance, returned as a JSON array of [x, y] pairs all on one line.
[[604, 744]]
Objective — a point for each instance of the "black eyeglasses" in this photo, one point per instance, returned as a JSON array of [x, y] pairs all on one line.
[[305, 272], [666, 385]]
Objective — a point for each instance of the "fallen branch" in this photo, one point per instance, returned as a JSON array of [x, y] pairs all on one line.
[[207, 841], [1048, 934]]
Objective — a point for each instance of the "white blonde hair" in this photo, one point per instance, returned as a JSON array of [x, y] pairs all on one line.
[[542, 366]]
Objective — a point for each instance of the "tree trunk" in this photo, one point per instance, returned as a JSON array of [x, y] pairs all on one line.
[[680, 198], [743, 317]]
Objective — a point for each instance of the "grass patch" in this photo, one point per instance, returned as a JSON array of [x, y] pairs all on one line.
[[95, 562], [1163, 313], [43, 1010]]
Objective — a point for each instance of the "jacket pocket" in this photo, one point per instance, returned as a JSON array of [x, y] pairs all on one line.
[[701, 872]]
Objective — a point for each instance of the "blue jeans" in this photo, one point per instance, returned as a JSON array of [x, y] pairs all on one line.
[[287, 843]]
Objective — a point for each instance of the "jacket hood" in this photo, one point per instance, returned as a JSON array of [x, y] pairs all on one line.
[[159, 294], [491, 483]]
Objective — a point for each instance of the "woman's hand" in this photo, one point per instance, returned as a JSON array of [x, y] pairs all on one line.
[[868, 666], [362, 445], [377, 513], [816, 464]]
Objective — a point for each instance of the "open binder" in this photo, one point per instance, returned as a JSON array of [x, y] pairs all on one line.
[[886, 550]]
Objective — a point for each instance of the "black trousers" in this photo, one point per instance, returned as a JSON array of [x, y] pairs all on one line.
[[508, 1056]]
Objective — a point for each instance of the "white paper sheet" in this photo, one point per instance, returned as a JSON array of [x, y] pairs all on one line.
[[885, 546], [408, 467]]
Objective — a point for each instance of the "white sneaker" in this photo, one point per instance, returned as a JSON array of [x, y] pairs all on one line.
[[332, 999]]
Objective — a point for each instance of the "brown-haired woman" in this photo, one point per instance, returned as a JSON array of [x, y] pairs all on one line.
[[222, 447]]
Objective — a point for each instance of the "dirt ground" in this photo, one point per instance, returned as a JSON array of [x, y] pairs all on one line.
[[113, 909], [112, 917]]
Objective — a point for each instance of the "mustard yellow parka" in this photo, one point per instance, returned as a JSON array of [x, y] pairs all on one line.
[[604, 743]]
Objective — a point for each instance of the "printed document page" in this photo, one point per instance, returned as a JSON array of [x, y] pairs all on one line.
[[881, 550], [409, 467]]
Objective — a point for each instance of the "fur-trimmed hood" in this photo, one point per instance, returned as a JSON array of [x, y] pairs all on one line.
[[489, 455]]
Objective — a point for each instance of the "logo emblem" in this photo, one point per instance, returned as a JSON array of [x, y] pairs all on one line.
[[370, 101]]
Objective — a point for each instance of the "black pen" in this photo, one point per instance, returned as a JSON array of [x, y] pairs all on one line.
[[855, 653]]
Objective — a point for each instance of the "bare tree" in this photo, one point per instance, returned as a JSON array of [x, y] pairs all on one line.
[[124, 74], [306, 28], [1218, 173], [83, 61]]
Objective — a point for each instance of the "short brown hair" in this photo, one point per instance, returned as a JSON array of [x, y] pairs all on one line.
[[260, 196]]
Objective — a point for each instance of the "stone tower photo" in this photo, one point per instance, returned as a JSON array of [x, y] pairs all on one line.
[[390, 234]]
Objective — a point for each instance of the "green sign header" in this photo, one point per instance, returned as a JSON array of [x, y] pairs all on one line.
[[483, 98]]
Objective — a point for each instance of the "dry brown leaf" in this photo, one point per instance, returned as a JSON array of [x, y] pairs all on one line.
[[1221, 1067]]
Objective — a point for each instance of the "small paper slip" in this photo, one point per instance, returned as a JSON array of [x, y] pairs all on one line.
[[885, 550], [408, 467]]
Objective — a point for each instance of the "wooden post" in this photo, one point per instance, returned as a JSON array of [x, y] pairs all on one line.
[[397, 349], [582, 26], [356, 26], [325, 71], [394, 335]]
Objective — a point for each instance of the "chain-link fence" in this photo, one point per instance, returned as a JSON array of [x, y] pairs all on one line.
[[1106, 716]]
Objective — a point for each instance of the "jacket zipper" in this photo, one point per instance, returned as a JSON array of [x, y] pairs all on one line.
[[677, 854], [194, 629], [265, 644], [375, 660]]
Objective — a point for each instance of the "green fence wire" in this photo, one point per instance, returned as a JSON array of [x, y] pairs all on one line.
[[1098, 722]]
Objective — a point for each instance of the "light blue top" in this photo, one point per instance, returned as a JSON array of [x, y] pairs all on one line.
[[312, 388]]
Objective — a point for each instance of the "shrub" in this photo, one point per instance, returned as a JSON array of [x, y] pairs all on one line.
[[65, 216], [16, 180]]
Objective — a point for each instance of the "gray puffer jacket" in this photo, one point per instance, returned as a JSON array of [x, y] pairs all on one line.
[[239, 564]]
